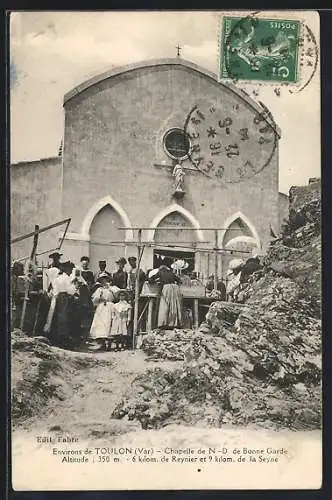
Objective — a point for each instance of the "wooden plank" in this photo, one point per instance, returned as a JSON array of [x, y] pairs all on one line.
[[46, 228]]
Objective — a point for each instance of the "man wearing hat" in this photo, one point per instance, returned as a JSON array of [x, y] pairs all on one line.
[[120, 277], [102, 270], [131, 283], [53, 270], [49, 275], [85, 272], [131, 287], [84, 280], [55, 259]]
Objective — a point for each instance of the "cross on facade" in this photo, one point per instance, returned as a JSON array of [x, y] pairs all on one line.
[[178, 48]]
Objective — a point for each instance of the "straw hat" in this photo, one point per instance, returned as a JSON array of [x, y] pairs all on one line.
[[235, 264]]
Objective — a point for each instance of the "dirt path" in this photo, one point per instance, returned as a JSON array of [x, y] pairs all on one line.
[[98, 388], [86, 413]]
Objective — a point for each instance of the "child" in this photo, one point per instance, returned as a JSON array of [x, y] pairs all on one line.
[[103, 298], [121, 315]]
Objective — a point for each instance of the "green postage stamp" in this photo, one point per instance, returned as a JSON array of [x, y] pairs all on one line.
[[262, 49]]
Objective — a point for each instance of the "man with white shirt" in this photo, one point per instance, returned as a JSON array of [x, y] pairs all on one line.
[[49, 276], [53, 270]]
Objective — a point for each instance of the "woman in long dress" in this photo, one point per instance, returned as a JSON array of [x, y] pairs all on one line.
[[103, 299], [61, 321], [170, 307], [121, 316]]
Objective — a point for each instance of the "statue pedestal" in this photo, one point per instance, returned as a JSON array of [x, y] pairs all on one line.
[[178, 194]]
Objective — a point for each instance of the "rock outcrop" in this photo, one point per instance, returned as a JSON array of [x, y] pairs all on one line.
[[254, 362]]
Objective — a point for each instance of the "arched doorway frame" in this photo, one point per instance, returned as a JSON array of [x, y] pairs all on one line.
[[239, 215], [174, 207], [95, 209]]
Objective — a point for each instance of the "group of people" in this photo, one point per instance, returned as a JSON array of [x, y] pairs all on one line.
[[78, 305], [75, 305]]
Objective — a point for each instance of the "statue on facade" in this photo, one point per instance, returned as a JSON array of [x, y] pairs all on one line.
[[178, 174]]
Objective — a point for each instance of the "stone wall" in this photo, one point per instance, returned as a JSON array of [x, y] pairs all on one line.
[[35, 199], [283, 209]]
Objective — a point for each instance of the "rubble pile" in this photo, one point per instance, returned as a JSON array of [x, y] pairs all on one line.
[[218, 384], [220, 317], [40, 374], [258, 361], [169, 344]]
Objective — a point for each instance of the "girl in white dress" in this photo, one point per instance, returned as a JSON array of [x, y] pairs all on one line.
[[121, 316], [102, 299]]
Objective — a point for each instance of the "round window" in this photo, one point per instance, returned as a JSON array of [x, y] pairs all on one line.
[[176, 143]]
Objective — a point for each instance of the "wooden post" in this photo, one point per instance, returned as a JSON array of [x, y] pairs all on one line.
[[142, 313], [135, 326], [150, 314], [195, 314], [215, 285], [27, 285]]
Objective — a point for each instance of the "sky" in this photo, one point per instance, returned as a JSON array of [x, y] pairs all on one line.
[[52, 52]]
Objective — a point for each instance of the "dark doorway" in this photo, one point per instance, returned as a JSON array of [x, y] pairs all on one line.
[[167, 257]]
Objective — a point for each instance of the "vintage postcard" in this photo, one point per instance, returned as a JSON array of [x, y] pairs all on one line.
[[165, 250]]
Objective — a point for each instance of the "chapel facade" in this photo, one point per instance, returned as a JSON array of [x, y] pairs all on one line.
[[124, 132]]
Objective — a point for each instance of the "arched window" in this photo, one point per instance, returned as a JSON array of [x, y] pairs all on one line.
[[179, 210], [239, 232]]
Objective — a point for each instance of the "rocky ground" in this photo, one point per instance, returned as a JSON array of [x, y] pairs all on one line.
[[256, 362], [67, 391]]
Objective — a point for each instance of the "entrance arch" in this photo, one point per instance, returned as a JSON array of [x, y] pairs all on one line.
[[240, 237], [239, 228], [187, 216], [101, 227], [96, 207], [175, 217]]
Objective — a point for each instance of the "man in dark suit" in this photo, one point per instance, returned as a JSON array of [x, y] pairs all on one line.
[[120, 277], [102, 270]]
